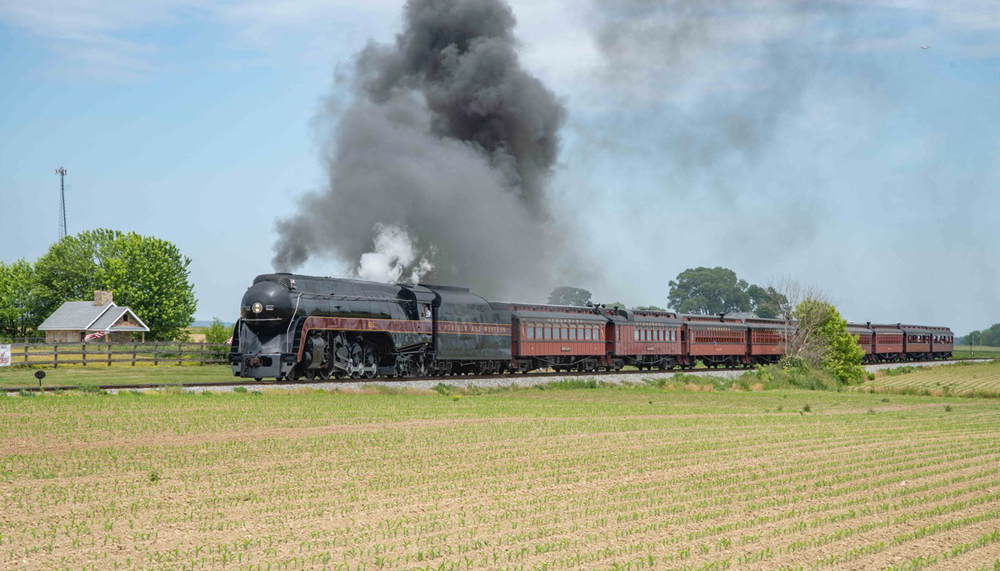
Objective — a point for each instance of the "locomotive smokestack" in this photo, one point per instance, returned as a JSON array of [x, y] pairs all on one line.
[[450, 141]]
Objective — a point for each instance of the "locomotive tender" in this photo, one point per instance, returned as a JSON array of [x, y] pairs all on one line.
[[294, 326]]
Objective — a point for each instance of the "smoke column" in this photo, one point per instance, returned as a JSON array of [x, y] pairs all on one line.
[[718, 79], [447, 149]]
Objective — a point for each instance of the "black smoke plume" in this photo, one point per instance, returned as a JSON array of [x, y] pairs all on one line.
[[442, 161]]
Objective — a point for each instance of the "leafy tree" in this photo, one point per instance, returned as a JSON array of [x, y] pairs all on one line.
[[151, 277], [74, 267], [974, 338], [616, 305], [147, 274], [767, 302], [649, 308], [19, 311], [821, 338], [709, 291], [566, 295], [990, 336]]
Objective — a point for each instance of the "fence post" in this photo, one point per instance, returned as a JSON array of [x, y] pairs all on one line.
[[109, 350], [25, 354], [156, 354], [201, 355], [180, 355], [83, 351], [135, 347], [55, 356]]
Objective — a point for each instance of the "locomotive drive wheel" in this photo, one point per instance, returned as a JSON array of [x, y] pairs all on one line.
[[326, 368], [370, 363], [357, 358]]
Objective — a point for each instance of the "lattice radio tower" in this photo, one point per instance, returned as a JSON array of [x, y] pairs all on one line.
[[62, 201]]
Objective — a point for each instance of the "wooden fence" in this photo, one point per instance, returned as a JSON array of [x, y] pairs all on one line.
[[117, 354]]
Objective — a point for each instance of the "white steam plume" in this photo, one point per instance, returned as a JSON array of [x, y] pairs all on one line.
[[394, 253]]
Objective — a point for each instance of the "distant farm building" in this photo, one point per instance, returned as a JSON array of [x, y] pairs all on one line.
[[98, 320]]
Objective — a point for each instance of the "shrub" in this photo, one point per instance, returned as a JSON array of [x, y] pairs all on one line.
[[569, 384], [92, 390], [796, 373], [217, 334], [823, 341], [241, 390]]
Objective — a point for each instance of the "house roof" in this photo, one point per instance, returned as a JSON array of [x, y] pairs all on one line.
[[112, 316], [85, 316]]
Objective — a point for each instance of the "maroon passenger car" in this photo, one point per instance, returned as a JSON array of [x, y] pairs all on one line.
[[644, 339], [766, 338], [716, 341], [866, 338], [561, 337], [942, 342], [888, 343]]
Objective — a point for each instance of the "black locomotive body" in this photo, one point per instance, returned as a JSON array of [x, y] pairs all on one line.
[[294, 326]]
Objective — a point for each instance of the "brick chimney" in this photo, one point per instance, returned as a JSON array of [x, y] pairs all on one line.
[[102, 297]]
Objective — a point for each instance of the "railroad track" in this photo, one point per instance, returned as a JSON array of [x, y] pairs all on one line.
[[444, 379]]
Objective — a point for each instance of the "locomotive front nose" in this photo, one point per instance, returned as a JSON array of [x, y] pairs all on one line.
[[266, 307]]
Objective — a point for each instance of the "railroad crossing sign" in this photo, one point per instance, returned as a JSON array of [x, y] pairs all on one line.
[[4, 355]]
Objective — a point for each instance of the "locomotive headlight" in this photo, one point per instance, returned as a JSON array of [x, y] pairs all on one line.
[[257, 308]]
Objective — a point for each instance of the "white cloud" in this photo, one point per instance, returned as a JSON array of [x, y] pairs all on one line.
[[100, 34]]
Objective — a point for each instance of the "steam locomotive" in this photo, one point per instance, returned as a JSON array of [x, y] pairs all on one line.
[[294, 326]]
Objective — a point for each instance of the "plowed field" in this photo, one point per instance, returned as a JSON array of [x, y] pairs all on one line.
[[963, 379], [607, 478]]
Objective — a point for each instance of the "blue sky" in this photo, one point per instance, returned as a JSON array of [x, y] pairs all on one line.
[[873, 172]]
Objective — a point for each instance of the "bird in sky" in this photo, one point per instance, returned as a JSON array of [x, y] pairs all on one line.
[[925, 47]]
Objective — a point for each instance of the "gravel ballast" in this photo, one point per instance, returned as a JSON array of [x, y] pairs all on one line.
[[516, 381]]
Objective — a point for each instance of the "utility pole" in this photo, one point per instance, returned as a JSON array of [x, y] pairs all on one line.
[[62, 201]]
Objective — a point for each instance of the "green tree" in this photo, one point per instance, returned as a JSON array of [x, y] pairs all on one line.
[[990, 336], [709, 291], [566, 295], [974, 338], [19, 311], [822, 339], [151, 277], [74, 267], [767, 302], [649, 308], [147, 274], [217, 334], [616, 305]]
